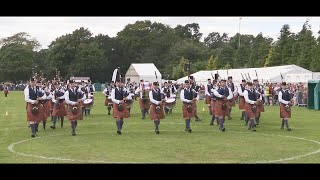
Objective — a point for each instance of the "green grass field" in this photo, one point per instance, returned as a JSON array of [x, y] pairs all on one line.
[[98, 142]]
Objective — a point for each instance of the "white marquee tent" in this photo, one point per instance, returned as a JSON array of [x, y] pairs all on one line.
[[265, 74], [145, 71]]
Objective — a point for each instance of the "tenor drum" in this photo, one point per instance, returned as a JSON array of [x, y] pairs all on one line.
[[171, 103], [88, 103]]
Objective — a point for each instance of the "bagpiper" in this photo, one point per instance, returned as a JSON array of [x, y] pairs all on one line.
[[259, 93], [59, 109], [208, 89], [144, 101], [32, 95], [213, 100], [251, 105], [234, 91], [224, 97], [73, 100], [285, 100], [157, 98], [6, 90], [241, 99], [119, 95], [188, 98], [196, 89]]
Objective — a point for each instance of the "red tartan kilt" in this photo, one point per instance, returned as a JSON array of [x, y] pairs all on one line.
[[81, 106], [46, 110], [52, 105], [117, 114], [60, 112], [233, 101], [154, 115], [212, 106], [145, 105], [72, 116], [283, 112], [242, 102], [249, 112], [260, 108], [218, 108], [208, 99], [5, 91], [186, 114], [31, 117]]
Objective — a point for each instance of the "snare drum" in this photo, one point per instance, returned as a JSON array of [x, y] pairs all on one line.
[[171, 103]]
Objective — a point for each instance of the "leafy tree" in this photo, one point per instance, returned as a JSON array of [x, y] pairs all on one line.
[[16, 62]]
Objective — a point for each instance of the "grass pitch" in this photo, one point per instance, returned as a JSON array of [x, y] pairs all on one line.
[[98, 142]]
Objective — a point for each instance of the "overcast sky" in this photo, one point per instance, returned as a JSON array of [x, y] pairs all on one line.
[[47, 29]]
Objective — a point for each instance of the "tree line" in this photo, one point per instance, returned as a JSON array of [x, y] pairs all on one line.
[[81, 54]]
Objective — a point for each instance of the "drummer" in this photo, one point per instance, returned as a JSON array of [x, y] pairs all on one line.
[[107, 93], [173, 92]]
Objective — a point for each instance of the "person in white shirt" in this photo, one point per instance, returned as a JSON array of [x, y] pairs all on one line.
[[144, 101], [251, 105], [242, 101], [107, 93], [32, 95], [187, 96], [119, 95], [59, 109], [223, 95], [285, 100], [73, 100], [213, 102], [157, 97], [234, 91], [208, 87]]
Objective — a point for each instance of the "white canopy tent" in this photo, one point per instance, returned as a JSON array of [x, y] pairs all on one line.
[[265, 74], [145, 71]]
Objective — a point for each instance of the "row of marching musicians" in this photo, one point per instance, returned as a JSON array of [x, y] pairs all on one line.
[[221, 96], [143, 91], [57, 100], [152, 97]]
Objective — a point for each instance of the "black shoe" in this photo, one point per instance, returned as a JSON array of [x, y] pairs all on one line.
[[288, 129], [246, 124], [241, 118], [281, 128], [249, 128], [143, 118], [253, 130], [211, 124], [73, 133], [109, 114], [33, 136], [119, 132], [229, 118], [157, 131], [52, 127], [223, 129], [189, 130]]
